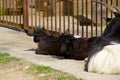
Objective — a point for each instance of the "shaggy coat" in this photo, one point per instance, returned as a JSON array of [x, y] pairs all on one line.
[[65, 45], [105, 54], [52, 45], [80, 48]]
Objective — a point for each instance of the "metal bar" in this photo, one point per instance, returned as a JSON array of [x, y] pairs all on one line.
[[6, 13], [31, 15], [1, 10], [86, 17], [10, 11], [47, 16], [64, 17], [20, 12], [36, 15], [51, 9], [117, 2], [82, 18], [13, 13], [39, 14], [60, 17], [25, 14], [73, 19], [106, 12], [44, 18], [91, 19], [16, 11], [96, 19], [111, 4], [68, 16], [55, 17], [77, 20], [101, 19]]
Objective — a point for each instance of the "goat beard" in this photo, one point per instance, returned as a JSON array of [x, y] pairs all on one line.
[[106, 60]]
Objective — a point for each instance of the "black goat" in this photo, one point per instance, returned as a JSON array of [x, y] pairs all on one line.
[[65, 45], [52, 45], [105, 54]]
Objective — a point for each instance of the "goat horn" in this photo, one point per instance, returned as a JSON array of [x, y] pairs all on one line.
[[106, 5]]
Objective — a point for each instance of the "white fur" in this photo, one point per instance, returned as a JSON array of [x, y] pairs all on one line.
[[106, 61], [77, 36]]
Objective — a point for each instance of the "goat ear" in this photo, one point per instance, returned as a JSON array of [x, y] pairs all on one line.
[[107, 19], [117, 14]]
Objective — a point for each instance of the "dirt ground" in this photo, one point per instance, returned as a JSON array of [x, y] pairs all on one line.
[[15, 70], [20, 45]]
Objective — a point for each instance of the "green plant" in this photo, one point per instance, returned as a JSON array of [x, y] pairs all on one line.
[[5, 58], [65, 77], [47, 73], [37, 69]]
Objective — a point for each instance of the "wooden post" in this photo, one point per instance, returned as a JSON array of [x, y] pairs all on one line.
[[25, 14]]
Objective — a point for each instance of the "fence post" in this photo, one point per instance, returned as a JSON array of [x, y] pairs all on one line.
[[25, 14]]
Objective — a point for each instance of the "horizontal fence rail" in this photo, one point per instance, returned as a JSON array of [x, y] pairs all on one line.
[[81, 17]]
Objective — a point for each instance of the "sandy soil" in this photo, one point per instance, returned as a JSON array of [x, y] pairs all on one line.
[[15, 70], [20, 45]]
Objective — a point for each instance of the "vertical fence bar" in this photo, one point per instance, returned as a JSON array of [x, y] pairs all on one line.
[[43, 18], [60, 17], [39, 12], [47, 15], [91, 18], [13, 13], [101, 19], [1, 10], [82, 18], [111, 4], [25, 14], [20, 12], [55, 17], [68, 17], [31, 19], [96, 19], [64, 8], [73, 19], [77, 20], [10, 11], [51, 13], [6, 12], [87, 17], [106, 12], [16, 13], [117, 2], [36, 15]]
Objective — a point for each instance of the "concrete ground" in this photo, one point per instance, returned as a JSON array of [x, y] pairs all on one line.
[[22, 46]]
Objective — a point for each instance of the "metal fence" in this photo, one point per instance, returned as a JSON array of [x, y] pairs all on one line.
[[81, 17]]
